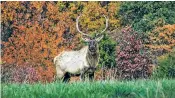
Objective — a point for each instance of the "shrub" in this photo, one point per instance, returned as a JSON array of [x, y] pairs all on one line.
[[13, 73], [107, 52], [27, 73], [6, 72], [132, 60], [166, 66]]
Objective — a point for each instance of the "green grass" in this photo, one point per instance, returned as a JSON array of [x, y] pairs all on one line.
[[99, 89]]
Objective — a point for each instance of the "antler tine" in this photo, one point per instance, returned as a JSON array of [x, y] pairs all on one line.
[[78, 27], [106, 24]]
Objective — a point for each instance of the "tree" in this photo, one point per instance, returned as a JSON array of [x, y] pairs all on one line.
[[145, 16], [35, 32], [39, 34], [162, 38]]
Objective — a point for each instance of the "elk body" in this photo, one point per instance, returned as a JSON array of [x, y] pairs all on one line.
[[82, 62]]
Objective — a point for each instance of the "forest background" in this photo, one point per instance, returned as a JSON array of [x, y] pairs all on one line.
[[33, 33]]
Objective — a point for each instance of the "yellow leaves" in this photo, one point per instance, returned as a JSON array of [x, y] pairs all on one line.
[[163, 57], [91, 12], [92, 16], [72, 7], [112, 12]]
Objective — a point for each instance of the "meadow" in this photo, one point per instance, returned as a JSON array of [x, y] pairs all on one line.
[[164, 88]]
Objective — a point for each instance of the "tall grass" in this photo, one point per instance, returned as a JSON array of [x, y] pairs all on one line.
[[98, 89]]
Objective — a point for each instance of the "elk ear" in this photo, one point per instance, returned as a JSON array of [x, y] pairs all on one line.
[[86, 38], [98, 38]]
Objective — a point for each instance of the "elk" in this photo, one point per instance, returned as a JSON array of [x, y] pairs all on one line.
[[80, 62]]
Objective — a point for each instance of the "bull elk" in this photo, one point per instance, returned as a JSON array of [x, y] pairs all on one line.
[[80, 62]]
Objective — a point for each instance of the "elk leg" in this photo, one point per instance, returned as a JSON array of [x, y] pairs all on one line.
[[91, 76], [82, 75], [59, 72], [66, 77]]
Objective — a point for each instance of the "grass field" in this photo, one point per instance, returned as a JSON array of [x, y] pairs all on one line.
[[100, 89]]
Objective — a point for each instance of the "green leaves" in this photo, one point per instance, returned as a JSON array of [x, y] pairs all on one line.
[[166, 66], [107, 52], [142, 15]]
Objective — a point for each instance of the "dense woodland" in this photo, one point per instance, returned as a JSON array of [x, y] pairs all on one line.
[[139, 42]]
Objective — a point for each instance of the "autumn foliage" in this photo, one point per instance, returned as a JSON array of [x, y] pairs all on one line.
[[132, 59], [35, 32], [162, 38]]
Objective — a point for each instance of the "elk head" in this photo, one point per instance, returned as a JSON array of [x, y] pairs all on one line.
[[92, 41]]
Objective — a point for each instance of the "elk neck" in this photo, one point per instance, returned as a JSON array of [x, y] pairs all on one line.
[[92, 59]]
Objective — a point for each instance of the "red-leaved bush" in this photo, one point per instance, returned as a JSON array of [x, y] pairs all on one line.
[[19, 73], [26, 73], [132, 60]]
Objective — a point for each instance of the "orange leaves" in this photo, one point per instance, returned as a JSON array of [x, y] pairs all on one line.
[[53, 12], [113, 9], [37, 5], [8, 10], [162, 38], [46, 74], [21, 27], [41, 30]]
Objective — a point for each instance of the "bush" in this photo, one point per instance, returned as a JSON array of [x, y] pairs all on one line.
[[6, 73], [132, 60], [19, 74], [107, 52], [26, 73], [166, 66]]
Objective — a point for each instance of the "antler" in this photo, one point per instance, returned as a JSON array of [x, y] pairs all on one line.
[[106, 24], [87, 34], [78, 27], [100, 34]]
